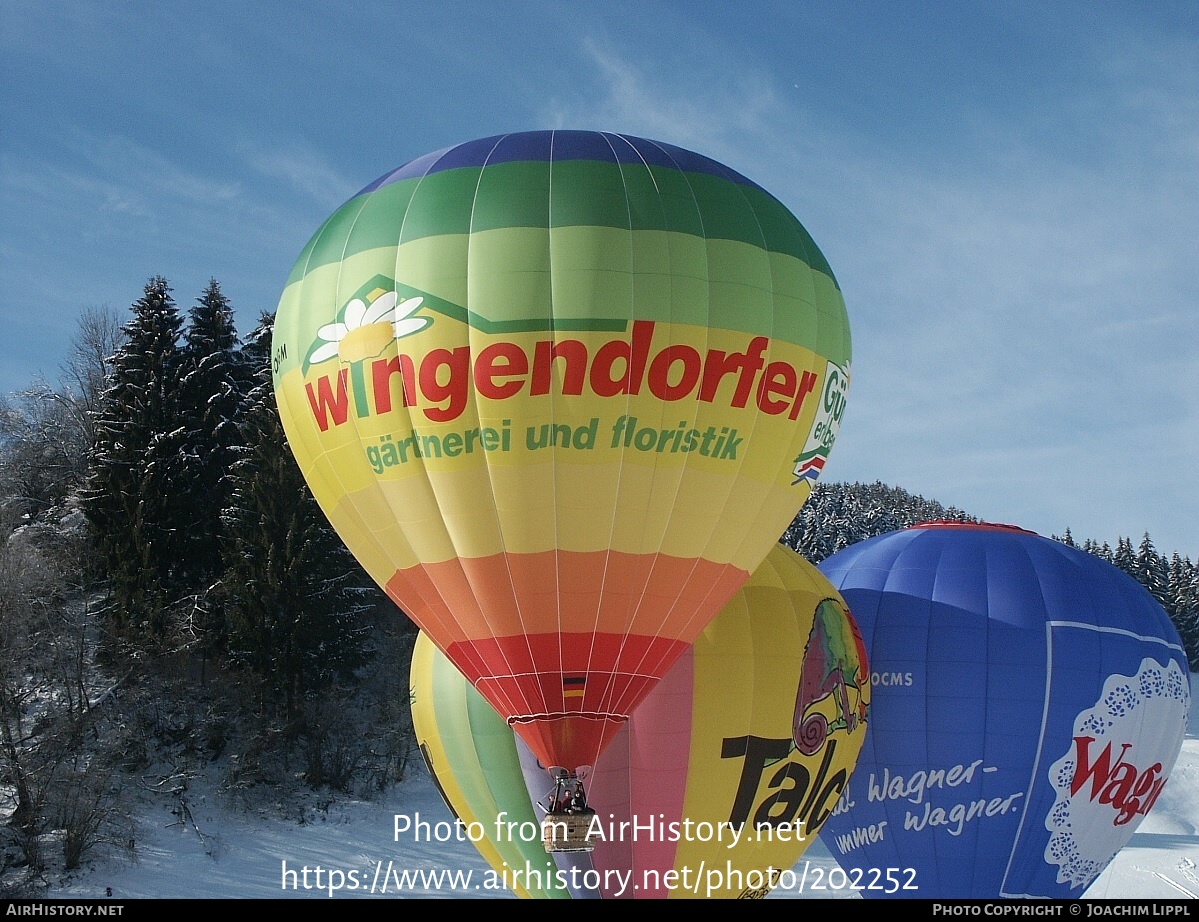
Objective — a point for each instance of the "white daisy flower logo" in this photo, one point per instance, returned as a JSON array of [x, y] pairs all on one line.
[[365, 329]]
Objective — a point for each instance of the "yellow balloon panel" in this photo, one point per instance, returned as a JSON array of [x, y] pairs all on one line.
[[560, 392]]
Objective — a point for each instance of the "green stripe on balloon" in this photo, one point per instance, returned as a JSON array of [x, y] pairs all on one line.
[[529, 194], [487, 769]]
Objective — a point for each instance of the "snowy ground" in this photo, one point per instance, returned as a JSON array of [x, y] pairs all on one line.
[[354, 844]]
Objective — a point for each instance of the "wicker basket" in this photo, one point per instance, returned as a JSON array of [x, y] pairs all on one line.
[[567, 832]]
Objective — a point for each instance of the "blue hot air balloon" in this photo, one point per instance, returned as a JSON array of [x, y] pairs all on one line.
[[1029, 702]]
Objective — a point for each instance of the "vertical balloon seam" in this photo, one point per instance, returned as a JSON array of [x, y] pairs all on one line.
[[473, 396], [350, 509], [1034, 573], [754, 690], [983, 550], [430, 612], [605, 695], [1036, 761], [454, 698], [766, 249], [463, 655], [280, 398], [1086, 614], [928, 606], [931, 636], [657, 667], [596, 702], [707, 327], [500, 786], [945, 604], [552, 421], [610, 692], [1047, 557], [657, 670], [1051, 619], [614, 697], [450, 709], [553, 448], [662, 657]]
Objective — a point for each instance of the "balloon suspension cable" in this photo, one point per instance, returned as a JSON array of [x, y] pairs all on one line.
[[568, 796]]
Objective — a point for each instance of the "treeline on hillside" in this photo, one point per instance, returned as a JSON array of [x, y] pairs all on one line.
[[838, 515], [170, 592]]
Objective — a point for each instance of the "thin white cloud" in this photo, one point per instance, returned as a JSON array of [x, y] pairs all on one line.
[[635, 101], [305, 171], [1023, 324], [125, 164]]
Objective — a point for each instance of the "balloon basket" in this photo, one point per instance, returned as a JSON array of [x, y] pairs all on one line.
[[567, 832]]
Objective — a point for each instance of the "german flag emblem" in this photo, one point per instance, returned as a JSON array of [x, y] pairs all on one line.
[[574, 686]]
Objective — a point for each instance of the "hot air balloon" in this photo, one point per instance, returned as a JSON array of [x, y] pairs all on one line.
[[559, 392], [723, 719], [1029, 703]]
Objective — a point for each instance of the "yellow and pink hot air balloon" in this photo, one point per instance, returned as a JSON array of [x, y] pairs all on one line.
[[713, 770], [560, 392]]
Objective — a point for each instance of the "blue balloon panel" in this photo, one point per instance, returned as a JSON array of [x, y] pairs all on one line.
[[1029, 702]]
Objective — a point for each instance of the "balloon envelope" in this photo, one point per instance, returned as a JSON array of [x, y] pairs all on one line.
[[713, 744], [1029, 703], [559, 392]]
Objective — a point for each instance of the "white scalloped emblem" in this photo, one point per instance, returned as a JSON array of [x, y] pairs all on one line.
[[1120, 755]]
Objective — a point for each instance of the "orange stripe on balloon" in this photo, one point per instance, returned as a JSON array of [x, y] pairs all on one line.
[[616, 589], [650, 608]]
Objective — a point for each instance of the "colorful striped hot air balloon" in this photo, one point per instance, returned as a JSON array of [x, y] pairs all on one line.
[[560, 392], [711, 770]]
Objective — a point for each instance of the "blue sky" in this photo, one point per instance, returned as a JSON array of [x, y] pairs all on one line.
[[1007, 192]]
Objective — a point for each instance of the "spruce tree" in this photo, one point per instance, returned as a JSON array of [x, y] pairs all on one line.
[[294, 596], [1125, 557], [1152, 571], [130, 501], [1183, 604], [210, 396]]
